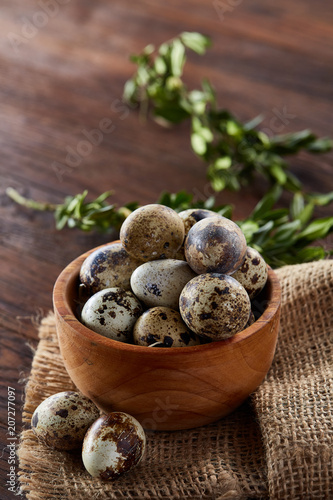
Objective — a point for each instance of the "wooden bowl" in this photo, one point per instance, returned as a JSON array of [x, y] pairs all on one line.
[[165, 389]]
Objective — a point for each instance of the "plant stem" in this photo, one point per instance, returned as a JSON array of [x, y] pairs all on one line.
[[28, 202]]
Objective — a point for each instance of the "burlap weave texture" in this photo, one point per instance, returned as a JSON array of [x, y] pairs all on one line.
[[277, 445]]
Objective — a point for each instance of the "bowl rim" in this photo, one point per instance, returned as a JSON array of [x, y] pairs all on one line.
[[62, 307]]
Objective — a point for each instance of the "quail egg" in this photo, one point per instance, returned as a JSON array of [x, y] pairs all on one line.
[[159, 282], [193, 215], [252, 274], [62, 420], [162, 324], [107, 267], [112, 313], [152, 232], [215, 245], [215, 305], [113, 445]]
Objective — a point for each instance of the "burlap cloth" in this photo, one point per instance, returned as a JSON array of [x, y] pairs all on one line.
[[278, 445]]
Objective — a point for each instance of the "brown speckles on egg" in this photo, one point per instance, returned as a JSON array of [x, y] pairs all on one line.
[[107, 267], [215, 244], [159, 283], [253, 272], [215, 306], [254, 279], [62, 420], [112, 313], [153, 288], [152, 232], [63, 413], [113, 445], [162, 324]]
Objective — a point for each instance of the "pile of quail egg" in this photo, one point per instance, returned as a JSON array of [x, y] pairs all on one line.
[[173, 280], [111, 444]]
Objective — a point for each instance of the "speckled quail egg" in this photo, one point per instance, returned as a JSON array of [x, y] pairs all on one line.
[[152, 232], [62, 420], [215, 245], [159, 282], [112, 313], [113, 445], [215, 305], [252, 274], [107, 267], [162, 324], [194, 215]]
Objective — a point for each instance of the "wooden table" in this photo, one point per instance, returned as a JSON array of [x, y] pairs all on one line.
[[62, 71]]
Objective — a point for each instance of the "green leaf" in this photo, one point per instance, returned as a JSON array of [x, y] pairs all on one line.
[[206, 134], [253, 123], [248, 227], [72, 202], [310, 254], [264, 139], [196, 96], [306, 213], [292, 141], [195, 41], [201, 129], [278, 173], [102, 197], [164, 49], [177, 201], [222, 163], [286, 232], [278, 215], [322, 145], [208, 90], [160, 65], [261, 235], [232, 128], [209, 204], [198, 143], [297, 205], [292, 183], [130, 89], [172, 84], [61, 222], [321, 199], [142, 76], [218, 183], [177, 57], [266, 203], [149, 49], [317, 229]]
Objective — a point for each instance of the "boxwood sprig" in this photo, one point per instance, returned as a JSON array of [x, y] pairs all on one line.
[[234, 152], [282, 235]]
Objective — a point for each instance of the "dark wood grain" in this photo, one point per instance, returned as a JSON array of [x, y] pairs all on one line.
[[267, 56]]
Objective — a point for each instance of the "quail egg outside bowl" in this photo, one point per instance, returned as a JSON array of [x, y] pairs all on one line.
[[172, 388]]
